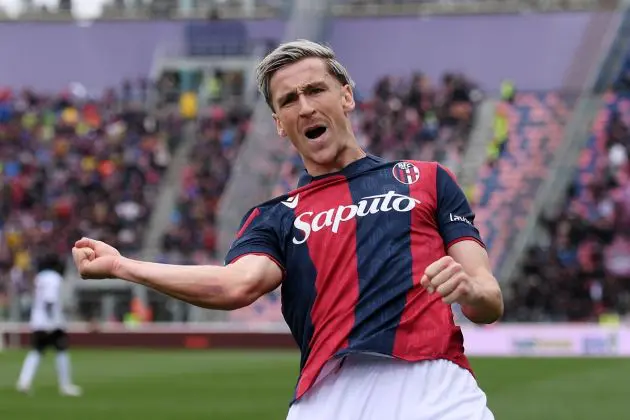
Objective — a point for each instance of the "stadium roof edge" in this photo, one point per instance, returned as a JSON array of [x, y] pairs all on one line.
[[339, 10]]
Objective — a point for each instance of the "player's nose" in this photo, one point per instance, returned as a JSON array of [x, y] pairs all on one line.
[[306, 108]]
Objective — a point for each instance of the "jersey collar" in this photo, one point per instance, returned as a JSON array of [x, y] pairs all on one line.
[[356, 167]]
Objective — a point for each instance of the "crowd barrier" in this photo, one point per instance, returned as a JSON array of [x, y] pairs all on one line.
[[541, 340]]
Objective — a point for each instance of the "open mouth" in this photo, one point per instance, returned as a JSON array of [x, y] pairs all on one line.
[[315, 132]]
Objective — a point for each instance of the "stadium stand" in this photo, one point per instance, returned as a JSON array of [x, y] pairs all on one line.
[[583, 272], [191, 238], [73, 166], [507, 185]]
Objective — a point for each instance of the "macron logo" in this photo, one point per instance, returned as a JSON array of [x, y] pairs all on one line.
[[292, 202]]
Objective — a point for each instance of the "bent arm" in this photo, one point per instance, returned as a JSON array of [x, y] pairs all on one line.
[[213, 287], [488, 305]]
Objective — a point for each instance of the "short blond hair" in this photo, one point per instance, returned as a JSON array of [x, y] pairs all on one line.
[[292, 52]]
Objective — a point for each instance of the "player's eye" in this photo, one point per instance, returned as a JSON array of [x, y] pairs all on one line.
[[288, 100], [316, 90]]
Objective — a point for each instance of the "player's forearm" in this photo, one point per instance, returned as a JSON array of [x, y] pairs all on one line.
[[488, 305], [212, 287]]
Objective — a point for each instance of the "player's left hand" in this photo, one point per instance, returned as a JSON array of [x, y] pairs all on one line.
[[448, 278]]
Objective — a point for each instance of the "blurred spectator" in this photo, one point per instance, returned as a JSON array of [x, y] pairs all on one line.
[[501, 125]]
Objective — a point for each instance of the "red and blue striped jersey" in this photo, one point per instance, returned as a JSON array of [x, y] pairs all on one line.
[[353, 246]]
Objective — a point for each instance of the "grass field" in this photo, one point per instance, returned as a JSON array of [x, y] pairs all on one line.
[[186, 385]]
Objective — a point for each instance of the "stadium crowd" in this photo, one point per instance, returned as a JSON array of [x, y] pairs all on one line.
[[71, 165], [583, 273], [192, 236]]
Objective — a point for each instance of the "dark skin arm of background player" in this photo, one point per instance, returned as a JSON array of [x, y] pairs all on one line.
[[486, 305]]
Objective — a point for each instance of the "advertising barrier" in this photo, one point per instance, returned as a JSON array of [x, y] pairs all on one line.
[[563, 340], [539, 340]]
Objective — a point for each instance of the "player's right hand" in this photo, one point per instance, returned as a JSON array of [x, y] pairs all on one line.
[[95, 259]]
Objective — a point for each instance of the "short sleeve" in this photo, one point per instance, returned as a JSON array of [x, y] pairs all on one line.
[[455, 216], [257, 235]]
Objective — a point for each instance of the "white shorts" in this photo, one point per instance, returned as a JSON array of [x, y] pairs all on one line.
[[377, 388]]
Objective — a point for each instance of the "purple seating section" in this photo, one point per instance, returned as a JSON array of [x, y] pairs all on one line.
[[505, 191]]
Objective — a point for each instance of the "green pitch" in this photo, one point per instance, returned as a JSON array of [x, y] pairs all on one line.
[[187, 385]]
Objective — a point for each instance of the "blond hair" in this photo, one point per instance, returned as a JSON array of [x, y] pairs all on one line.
[[292, 52]]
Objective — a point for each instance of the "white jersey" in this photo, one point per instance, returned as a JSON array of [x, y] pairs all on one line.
[[47, 291]]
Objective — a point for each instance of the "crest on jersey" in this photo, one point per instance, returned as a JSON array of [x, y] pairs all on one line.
[[406, 173]]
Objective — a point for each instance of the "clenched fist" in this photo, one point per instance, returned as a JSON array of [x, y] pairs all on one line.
[[95, 259], [448, 278]]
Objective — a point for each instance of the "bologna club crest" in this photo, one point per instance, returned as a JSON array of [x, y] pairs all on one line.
[[406, 172]]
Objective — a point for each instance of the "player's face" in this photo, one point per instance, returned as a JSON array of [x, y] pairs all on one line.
[[312, 110]]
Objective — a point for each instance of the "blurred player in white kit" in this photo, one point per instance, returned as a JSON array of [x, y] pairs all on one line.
[[48, 327]]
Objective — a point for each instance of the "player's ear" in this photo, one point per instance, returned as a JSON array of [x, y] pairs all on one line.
[[347, 98], [279, 128]]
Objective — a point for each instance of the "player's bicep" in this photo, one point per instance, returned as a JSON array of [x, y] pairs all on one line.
[[257, 274], [454, 215]]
